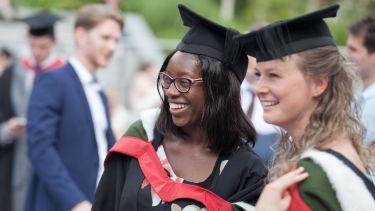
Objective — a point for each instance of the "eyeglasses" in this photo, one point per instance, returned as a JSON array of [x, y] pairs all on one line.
[[182, 84]]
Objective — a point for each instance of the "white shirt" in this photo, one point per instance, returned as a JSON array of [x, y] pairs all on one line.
[[30, 75], [367, 104], [246, 95], [97, 108]]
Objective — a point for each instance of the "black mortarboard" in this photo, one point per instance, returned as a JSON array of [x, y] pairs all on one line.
[[41, 23], [287, 37], [213, 40]]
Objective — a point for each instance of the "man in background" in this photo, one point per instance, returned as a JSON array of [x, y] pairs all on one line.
[[40, 56], [361, 50], [16, 81], [69, 131]]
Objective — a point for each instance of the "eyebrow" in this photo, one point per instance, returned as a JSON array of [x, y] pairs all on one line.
[[350, 47], [183, 75], [266, 70]]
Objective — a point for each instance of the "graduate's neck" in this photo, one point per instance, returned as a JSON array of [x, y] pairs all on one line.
[[195, 144], [82, 58], [195, 136]]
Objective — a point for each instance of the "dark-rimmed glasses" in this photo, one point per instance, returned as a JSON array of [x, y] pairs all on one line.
[[182, 84]]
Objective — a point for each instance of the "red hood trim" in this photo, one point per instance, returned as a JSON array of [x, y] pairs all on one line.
[[297, 203], [167, 189], [29, 67]]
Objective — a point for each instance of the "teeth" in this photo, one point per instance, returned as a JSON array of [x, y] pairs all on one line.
[[176, 106], [269, 103]]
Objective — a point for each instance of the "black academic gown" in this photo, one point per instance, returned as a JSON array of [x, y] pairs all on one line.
[[6, 151], [122, 185]]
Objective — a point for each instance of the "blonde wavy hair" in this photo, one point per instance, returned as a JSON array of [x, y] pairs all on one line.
[[336, 112]]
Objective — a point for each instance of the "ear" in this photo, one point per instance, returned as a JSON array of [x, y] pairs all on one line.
[[252, 63], [319, 85], [80, 35], [372, 58]]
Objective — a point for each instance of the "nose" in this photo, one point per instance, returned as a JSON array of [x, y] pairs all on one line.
[[349, 54], [259, 87], [112, 45], [39, 53], [171, 91]]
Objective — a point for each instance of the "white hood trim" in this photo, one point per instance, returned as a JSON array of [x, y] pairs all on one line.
[[351, 191], [148, 118]]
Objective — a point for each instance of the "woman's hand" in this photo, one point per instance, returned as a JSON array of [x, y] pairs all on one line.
[[275, 196]]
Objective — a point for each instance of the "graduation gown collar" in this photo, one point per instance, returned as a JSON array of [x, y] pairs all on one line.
[[167, 189]]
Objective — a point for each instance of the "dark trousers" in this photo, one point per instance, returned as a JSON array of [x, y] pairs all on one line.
[[6, 162]]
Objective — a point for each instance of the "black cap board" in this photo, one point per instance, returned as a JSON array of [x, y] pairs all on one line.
[[41, 23], [287, 37], [208, 38]]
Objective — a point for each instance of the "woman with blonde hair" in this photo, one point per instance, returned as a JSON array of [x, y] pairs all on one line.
[[306, 87]]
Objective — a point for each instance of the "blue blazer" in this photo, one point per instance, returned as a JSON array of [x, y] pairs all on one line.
[[61, 142]]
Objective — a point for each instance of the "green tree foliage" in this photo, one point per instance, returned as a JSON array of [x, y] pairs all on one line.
[[272, 10], [54, 4], [163, 17]]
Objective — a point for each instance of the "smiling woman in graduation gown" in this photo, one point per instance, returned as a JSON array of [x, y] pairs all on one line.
[[193, 153], [306, 87]]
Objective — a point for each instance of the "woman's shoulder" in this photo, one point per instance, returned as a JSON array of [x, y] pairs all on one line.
[[136, 129], [317, 176], [147, 122], [144, 127], [332, 184], [321, 167], [246, 161], [317, 190], [246, 153], [244, 173]]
